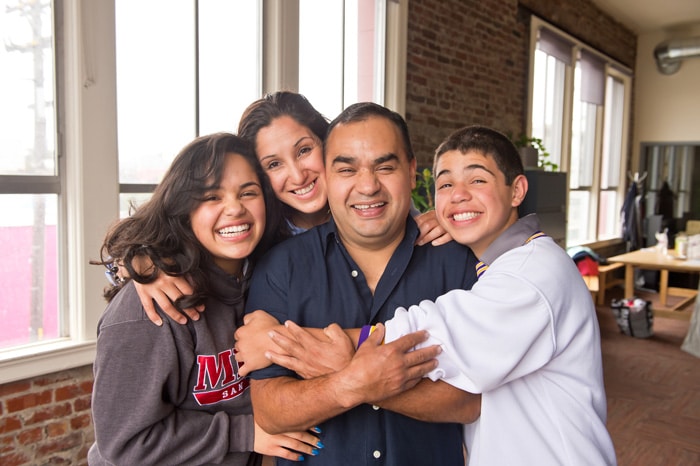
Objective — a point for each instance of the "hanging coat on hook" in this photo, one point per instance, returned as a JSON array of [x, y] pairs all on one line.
[[631, 220]]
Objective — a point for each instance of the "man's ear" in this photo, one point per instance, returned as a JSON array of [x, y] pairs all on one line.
[[412, 171], [519, 190]]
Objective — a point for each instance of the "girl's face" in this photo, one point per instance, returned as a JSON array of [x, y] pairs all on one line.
[[230, 221], [292, 157]]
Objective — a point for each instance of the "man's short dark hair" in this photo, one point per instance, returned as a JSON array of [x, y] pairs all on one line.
[[364, 110]]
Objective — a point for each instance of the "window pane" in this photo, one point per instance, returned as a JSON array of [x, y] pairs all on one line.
[[346, 66], [577, 225], [129, 201], [321, 25], [27, 90], [156, 82], [608, 215], [583, 146], [364, 46], [583, 137], [673, 165], [229, 62], [612, 138], [548, 103], [29, 275]]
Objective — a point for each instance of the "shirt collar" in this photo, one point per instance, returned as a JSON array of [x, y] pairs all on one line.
[[293, 229], [515, 236], [329, 232]]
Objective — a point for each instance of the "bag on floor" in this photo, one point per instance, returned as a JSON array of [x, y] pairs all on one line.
[[634, 317]]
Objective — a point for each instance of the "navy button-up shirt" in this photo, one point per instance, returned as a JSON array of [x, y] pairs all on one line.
[[312, 280]]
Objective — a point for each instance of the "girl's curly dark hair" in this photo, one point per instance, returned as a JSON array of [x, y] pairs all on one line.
[[160, 229]]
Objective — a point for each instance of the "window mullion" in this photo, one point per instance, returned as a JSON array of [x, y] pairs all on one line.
[[597, 169], [280, 45], [20, 184]]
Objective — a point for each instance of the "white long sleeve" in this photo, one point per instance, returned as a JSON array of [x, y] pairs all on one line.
[[526, 337]]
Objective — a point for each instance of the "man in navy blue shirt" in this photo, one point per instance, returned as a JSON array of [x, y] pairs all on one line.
[[355, 270]]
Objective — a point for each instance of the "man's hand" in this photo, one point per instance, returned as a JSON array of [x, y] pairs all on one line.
[[430, 230], [262, 341], [378, 371], [253, 341], [312, 352]]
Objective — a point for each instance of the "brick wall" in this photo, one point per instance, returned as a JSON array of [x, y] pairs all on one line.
[[467, 64], [468, 61], [46, 420]]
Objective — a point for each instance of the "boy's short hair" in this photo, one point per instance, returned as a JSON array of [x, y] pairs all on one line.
[[490, 143]]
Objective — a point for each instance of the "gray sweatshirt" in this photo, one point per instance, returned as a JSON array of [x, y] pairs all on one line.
[[171, 394]]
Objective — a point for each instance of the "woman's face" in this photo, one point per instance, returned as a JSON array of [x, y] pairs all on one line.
[[292, 157], [230, 221]]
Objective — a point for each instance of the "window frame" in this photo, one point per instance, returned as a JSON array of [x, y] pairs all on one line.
[[612, 68], [87, 178], [86, 146]]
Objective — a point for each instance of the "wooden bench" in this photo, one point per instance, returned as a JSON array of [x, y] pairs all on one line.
[[603, 281]]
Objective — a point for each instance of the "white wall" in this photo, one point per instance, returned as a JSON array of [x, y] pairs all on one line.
[[667, 107]]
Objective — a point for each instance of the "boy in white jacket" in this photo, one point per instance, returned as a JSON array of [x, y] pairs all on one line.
[[526, 335]]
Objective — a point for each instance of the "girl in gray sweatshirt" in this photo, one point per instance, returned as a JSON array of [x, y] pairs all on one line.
[[171, 394]]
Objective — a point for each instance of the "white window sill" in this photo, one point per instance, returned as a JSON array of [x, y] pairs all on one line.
[[34, 360]]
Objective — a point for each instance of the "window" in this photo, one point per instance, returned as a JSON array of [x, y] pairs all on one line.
[[580, 109], [29, 174], [186, 76], [333, 80], [673, 165], [100, 104], [189, 75]]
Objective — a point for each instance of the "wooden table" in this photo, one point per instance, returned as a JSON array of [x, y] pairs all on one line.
[[651, 259]]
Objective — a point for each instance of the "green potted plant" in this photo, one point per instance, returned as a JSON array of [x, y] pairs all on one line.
[[422, 194], [534, 154]]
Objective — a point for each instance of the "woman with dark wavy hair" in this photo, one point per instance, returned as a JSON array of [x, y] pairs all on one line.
[[288, 133], [171, 394]]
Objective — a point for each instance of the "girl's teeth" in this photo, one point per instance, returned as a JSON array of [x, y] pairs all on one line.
[[235, 229], [302, 191]]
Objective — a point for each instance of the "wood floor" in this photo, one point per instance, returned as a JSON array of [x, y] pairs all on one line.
[[653, 392]]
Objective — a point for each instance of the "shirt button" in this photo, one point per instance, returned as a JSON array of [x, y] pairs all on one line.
[[375, 407], [377, 454], [354, 273]]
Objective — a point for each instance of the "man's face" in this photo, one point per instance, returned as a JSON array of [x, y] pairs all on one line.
[[369, 181]]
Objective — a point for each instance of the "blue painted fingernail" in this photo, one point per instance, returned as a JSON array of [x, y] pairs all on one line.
[[320, 444], [301, 457], [314, 452], [317, 429]]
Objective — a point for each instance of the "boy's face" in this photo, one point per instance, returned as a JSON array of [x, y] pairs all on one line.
[[472, 201]]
